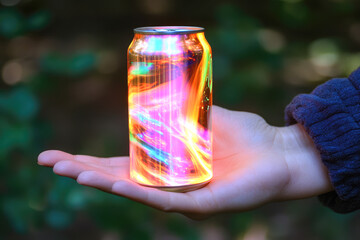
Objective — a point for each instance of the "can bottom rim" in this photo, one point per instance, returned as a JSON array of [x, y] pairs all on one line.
[[180, 189]]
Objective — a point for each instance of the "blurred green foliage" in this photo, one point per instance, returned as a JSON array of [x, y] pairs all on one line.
[[73, 65], [63, 85], [13, 23], [17, 108]]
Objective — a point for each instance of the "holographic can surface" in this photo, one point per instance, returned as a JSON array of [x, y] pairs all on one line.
[[170, 99]]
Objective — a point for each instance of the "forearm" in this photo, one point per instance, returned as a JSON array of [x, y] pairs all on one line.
[[308, 175], [330, 114]]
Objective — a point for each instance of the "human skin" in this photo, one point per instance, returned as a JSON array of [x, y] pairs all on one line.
[[254, 164]]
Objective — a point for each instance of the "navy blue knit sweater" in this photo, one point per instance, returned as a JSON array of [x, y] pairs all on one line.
[[331, 115]]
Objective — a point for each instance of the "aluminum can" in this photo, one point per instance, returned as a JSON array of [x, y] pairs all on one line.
[[170, 99]]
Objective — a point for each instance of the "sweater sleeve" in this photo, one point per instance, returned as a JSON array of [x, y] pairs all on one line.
[[331, 115]]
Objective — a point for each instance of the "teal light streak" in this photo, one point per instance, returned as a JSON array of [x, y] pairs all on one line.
[[141, 68]]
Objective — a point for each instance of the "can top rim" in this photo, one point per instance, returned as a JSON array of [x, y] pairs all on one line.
[[168, 30]]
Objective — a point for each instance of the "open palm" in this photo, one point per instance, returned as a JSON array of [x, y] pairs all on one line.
[[248, 170]]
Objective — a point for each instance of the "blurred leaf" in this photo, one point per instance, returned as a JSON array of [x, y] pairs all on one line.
[[81, 63], [38, 20], [76, 199], [53, 63], [11, 22], [18, 213], [222, 67], [231, 17], [182, 230], [239, 223], [14, 136], [58, 219], [293, 14], [75, 65], [19, 103]]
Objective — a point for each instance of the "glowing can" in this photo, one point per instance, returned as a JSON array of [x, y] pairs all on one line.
[[170, 99]]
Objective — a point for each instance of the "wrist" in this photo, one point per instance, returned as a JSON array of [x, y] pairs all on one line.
[[308, 175]]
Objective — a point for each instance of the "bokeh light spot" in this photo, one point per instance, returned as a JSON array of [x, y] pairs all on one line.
[[271, 40], [9, 3], [12, 72]]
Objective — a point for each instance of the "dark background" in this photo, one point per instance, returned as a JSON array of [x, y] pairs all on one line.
[[63, 86]]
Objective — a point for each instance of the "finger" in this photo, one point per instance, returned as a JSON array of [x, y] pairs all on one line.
[[97, 180], [108, 162], [70, 169], [73, 168], [51, 157], [162, 200]]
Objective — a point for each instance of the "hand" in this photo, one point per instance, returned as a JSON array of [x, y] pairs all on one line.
[[254, 163]]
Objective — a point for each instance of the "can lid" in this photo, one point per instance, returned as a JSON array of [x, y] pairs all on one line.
[[168, 30]]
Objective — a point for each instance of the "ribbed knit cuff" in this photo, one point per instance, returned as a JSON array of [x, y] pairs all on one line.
[[330, 115]]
